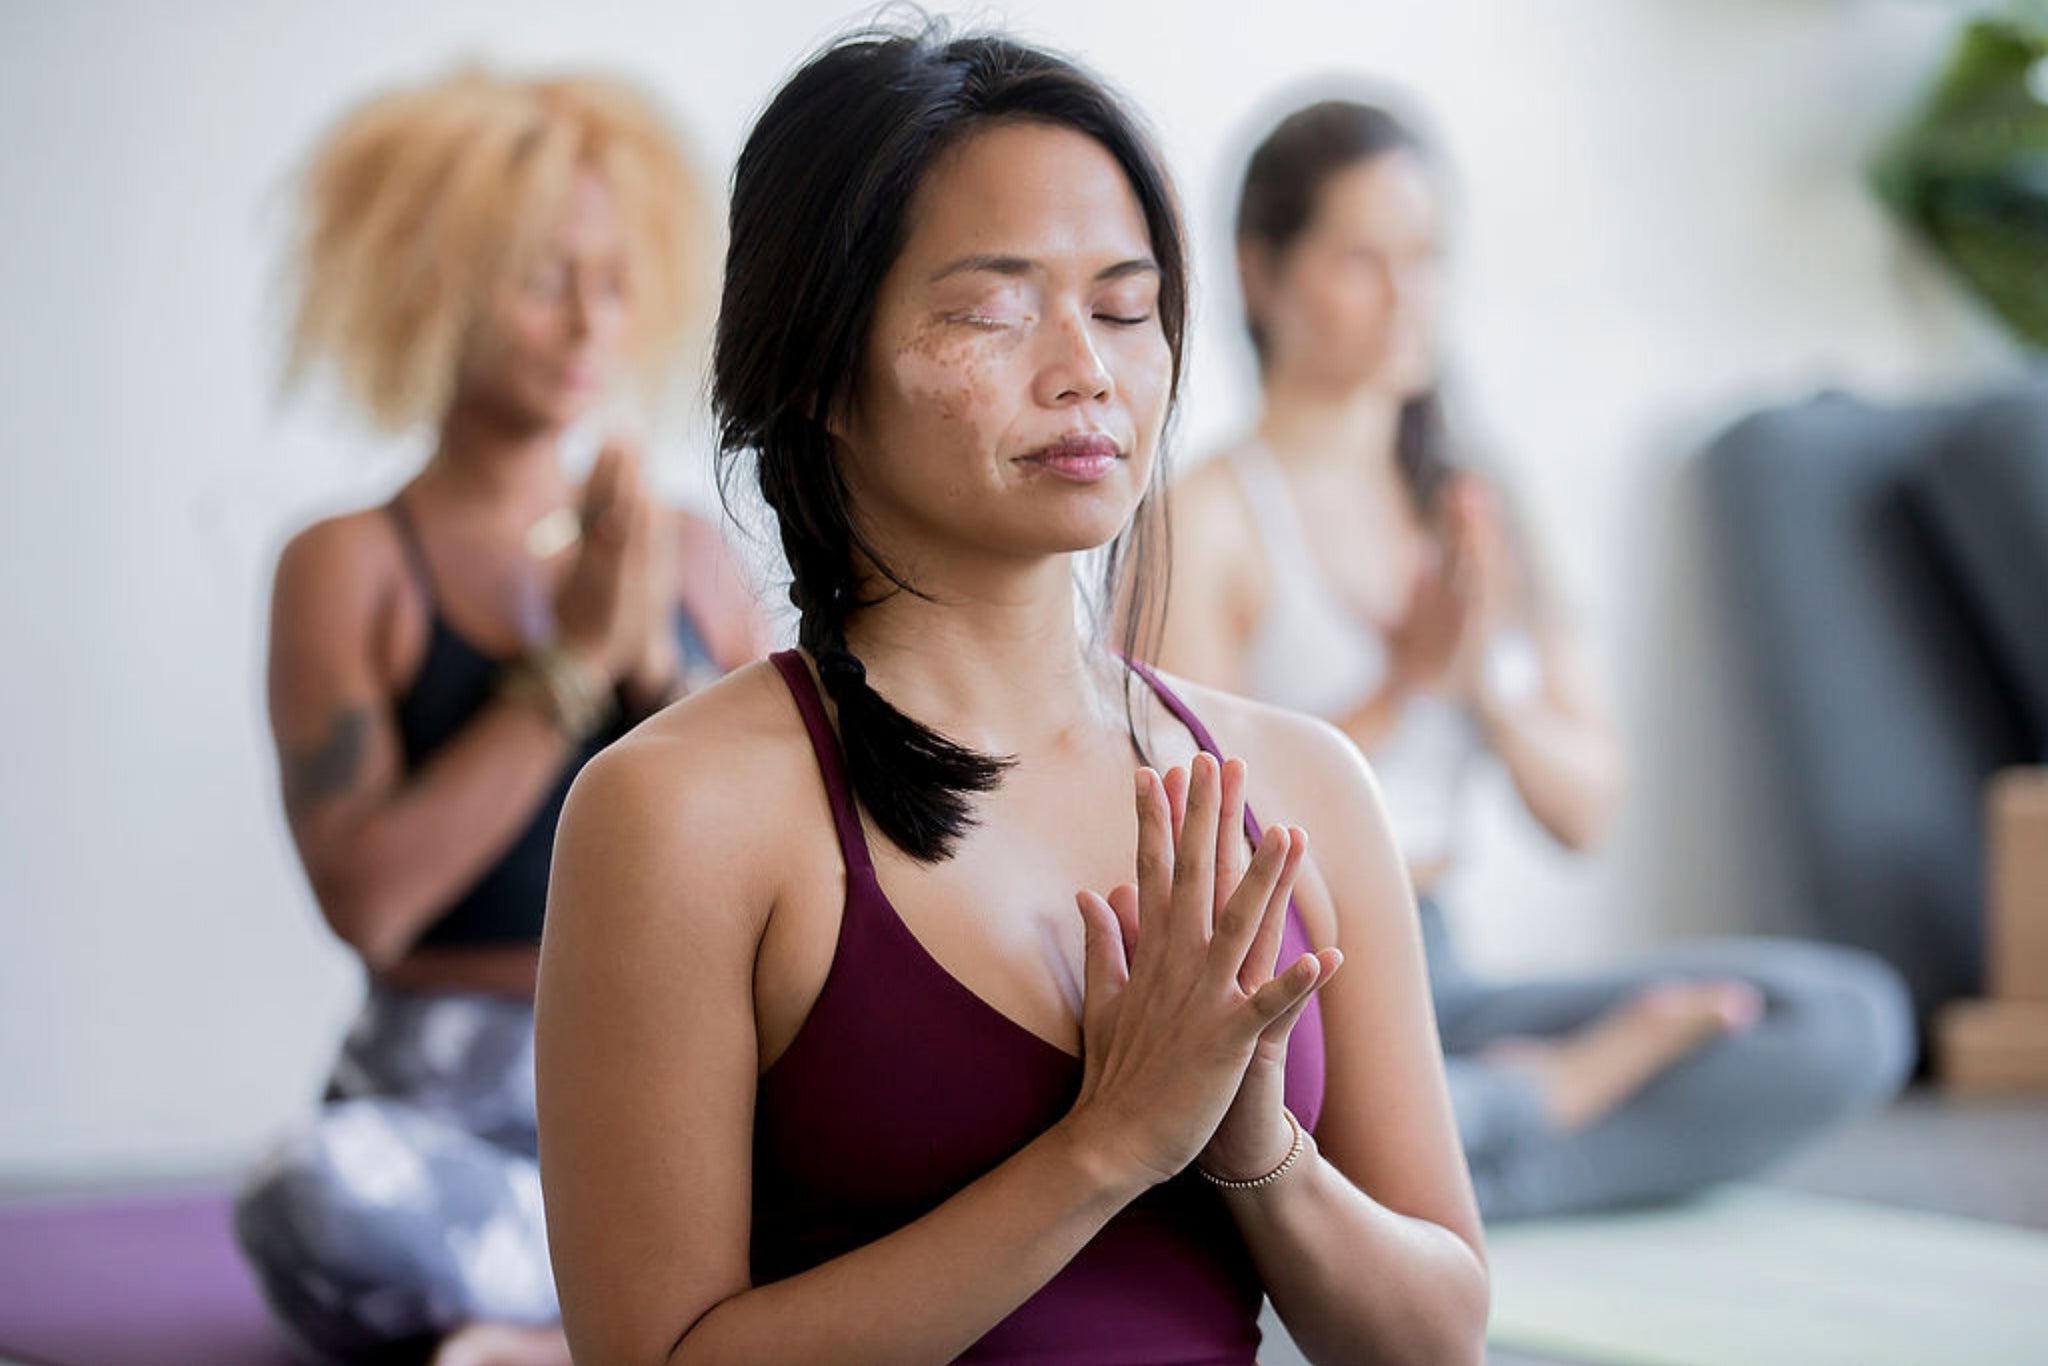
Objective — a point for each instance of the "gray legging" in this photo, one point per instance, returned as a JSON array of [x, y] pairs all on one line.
[[410, 1204], [1835, 1040]]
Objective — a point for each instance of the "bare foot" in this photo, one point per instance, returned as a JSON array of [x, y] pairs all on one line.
[[1585, 1075], [503, 1344]]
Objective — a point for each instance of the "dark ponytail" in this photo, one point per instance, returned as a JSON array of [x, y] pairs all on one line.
[[1283, 186], [817, 219]]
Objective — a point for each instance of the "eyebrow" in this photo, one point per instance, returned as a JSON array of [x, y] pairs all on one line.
[[1016, 266]]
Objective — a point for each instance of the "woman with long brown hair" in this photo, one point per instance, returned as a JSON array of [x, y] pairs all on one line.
[[1345, 560]]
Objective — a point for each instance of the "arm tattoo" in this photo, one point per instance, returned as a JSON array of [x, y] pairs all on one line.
[[311, 776]]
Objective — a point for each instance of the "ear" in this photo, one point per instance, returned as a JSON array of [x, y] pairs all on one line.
[[840, 422]]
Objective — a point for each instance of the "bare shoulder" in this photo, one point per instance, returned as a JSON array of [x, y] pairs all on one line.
[[1303, 761], [721, 756], [352, 553], [715, 583], [1301, 770], [679, 801], [338, 607]]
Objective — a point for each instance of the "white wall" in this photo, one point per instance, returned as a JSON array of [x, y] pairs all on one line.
[[1665, 222]]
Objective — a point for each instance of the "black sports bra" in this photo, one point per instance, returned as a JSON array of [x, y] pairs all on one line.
[[507, 903]]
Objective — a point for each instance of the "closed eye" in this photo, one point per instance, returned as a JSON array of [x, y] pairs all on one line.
[[1125, 322]]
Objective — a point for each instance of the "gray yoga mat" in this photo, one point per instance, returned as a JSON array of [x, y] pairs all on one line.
[[1754, 1276]]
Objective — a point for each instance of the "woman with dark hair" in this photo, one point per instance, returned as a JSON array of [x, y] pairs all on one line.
[[1341, 561], [879, 1018]]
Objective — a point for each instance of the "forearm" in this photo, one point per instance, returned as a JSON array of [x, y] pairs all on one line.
[[1568, 773], [1356, 1281], [413, 853], [928, 1291]]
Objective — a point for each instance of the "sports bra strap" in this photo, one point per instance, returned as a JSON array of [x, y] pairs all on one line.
[[1185, 714], [853, 841], [415, 550]]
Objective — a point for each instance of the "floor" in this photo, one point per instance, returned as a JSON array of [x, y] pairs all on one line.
[[1982, 1159], [1976, 1158]]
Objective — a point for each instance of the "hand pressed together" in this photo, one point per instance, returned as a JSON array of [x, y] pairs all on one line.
[[1187, 1009]]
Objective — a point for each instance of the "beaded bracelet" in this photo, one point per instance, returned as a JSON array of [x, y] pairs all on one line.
[[1293, 1156], [549, 679]]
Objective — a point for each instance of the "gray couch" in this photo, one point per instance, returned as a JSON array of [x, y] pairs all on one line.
[[1885, 572]]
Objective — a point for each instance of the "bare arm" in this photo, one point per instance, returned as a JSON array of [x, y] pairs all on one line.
[[926, 1292], [1370, 1246], [1557, 742], [1555, 737], [1379, 1240], [383, 850], [719, 586], [705, 579]]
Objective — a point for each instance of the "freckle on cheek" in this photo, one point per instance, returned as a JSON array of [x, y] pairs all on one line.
[[931, 369]]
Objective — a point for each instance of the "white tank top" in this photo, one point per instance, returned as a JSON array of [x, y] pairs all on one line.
[[1309, 652]]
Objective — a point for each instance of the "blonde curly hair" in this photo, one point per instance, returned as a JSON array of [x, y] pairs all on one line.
[[421, 200]]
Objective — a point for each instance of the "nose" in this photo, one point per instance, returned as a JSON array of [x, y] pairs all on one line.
[[580, 304], [1073, 371]]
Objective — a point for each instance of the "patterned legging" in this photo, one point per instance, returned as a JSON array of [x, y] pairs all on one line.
[[410, 1204]]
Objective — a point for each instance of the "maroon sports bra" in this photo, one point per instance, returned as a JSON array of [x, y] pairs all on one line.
[[902, 1087]]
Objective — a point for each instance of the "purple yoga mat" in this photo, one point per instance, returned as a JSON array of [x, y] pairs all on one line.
[[153, 1281]]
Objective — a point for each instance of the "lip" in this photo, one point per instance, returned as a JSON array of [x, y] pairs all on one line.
[[1083, 457]]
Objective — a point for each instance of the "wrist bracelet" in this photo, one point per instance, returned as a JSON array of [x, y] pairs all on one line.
[[549, 679], [1293, 1156]]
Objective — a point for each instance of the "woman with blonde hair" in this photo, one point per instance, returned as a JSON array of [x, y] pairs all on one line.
[[501, 259]]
